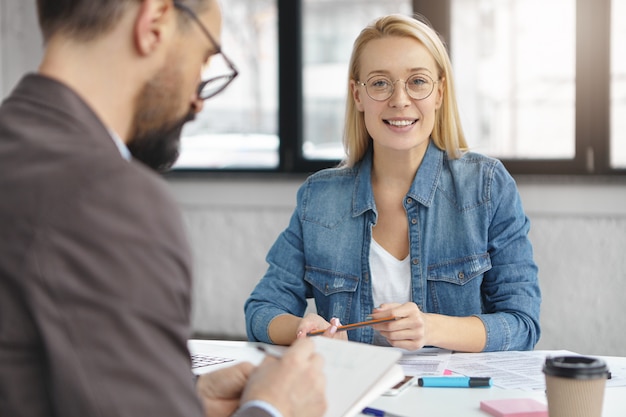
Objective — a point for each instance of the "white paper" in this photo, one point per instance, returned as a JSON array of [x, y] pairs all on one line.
[[426, 361]]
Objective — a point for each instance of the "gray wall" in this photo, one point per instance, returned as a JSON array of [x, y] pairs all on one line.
[[578, 232], [20, 41]]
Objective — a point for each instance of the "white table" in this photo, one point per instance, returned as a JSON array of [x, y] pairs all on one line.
[[444, 402], [465, 402]]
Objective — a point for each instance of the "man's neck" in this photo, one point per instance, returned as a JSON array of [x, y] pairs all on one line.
[[98, 77]]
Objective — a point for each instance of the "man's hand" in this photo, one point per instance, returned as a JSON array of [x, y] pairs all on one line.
[[221, 390], [294, 384]]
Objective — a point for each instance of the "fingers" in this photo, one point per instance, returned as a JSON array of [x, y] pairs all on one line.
[[408, 330], [309, 386], [327, 330], [226, 382], [219, 391], [334, 324], [313, 322], [294, 384], [332, 331], [394, 309], [301, 348]]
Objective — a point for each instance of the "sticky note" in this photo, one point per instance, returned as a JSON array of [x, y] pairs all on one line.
[[515, 407]]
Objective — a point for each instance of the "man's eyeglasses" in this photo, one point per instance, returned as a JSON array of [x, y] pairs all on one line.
[[216, 84], [417, 86]]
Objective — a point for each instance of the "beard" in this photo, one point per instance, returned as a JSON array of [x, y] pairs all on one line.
[[159, 148], [155, 138]]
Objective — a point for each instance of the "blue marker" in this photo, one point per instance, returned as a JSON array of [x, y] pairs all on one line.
[[454, 382]]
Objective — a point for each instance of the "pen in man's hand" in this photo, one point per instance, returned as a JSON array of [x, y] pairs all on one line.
[[454, 382]]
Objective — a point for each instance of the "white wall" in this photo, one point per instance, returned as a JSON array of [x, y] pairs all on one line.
[[579, 236], [578, 232]]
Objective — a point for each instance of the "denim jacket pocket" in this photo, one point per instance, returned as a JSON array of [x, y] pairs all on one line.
[[334, 291], [454, 286], [329, 282], [460, 271]]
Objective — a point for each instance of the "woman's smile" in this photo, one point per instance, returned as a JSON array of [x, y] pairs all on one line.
[[400, 122]]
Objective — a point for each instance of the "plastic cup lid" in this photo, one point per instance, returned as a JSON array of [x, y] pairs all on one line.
[[576, 367]]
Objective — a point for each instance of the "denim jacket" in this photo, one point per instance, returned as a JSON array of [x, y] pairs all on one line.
[[469, 250]]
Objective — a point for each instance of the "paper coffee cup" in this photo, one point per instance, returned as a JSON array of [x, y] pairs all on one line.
[[575, 386]]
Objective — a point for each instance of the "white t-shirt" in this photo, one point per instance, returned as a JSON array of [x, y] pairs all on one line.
[[391, 280]]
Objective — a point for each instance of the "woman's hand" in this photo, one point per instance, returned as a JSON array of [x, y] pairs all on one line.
[[312, 322], [409, 330], [414, 329]]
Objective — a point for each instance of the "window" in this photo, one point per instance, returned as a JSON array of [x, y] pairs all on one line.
[[515, 76], [238, 128], [618, 84], [330, 28], [541, 85], [244, 127]]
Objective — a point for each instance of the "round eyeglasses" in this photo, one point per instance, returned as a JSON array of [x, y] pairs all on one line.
[[381, 88]]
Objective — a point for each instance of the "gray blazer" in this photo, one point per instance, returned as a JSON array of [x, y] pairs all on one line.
[[94, 269]]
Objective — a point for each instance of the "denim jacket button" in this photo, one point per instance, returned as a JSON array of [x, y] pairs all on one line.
[[415, 261], [461, 275], [413, 221], [409, 200]]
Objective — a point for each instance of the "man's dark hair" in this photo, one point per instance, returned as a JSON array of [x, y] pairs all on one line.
[[86, 19], [81, 19]]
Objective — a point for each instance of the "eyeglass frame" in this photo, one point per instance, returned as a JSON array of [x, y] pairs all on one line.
[[393, 86], [218, 50]]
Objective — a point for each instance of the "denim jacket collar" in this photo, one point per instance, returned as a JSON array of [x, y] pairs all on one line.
[[422, 189]]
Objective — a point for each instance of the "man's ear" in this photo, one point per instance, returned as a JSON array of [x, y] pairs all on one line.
[[153, 24]]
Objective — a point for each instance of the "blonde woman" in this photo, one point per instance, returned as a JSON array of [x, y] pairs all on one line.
[[411, 225]]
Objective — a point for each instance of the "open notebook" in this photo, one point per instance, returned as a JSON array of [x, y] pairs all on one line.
[[356, 373]]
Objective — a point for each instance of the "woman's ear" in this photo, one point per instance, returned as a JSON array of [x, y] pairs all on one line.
[[441, 86], [356, 95], [153, 23]]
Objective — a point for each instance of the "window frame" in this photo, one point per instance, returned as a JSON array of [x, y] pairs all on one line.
[[593, 77], [592, 124]]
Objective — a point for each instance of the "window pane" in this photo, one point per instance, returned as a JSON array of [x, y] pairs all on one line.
[[618, 84], [515, 76], [330, 28], [238, 128]]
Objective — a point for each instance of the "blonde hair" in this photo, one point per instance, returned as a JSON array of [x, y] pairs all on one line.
[[447, 133]]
